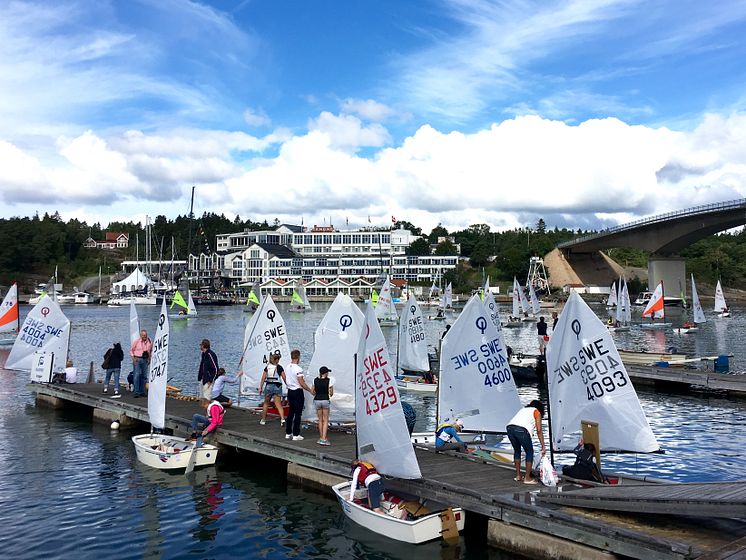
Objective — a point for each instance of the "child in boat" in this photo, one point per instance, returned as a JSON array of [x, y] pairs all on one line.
[[217, 389], [365, 474]]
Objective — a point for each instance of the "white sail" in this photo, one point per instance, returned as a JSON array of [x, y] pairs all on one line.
[[626, 303], [516, 298], [45, 329], [476, 383], [412, 352], [613, 298], [382, 435], [719, 299], [158, 371], [656, 306], [486, 288], [621, 304], [535, 305], [9, 311], [434, 289], [699, 314], [588, 381], [265, 334], [491, 306], [191, 309], [335, 343], [518, 292], [385, 309], [447, 299], [134, 323]]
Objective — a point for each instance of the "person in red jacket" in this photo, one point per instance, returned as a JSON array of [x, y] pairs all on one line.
[[203, 425]]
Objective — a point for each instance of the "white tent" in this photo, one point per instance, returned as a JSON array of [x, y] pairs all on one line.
[[135, 281]]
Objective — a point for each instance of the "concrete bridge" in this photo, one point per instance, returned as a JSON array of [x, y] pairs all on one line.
[[664, 236]]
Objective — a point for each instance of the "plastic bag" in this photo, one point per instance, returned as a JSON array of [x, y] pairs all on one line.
[[547, 472]]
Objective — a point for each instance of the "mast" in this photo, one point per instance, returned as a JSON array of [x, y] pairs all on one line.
[[189, 241]]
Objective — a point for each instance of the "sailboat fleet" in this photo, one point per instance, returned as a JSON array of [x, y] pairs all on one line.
[[476, 383]]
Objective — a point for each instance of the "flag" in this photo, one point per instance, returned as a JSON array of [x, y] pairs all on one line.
[[368, 219], [347, 221], [393, 220]]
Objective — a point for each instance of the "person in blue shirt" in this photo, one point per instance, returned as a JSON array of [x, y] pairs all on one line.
[[446, 436]]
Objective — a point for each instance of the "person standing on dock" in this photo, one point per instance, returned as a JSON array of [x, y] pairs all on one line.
[[555, 319], [271, 386], [140, 352], [296, 399], [208, 369], [520, 429], [541, 331], [323, 390], [113, 361]]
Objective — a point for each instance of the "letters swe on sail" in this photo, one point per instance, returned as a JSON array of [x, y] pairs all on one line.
[[376, 384]]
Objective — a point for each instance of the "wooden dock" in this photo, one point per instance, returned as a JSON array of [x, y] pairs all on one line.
[[733, 384], [517, 519]]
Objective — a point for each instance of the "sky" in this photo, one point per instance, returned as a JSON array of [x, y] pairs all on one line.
[[584, 113]]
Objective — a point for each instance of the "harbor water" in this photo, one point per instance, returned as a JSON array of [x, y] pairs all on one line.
[[70, 488]]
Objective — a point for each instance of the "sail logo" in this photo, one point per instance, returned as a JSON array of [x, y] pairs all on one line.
[[481, 324], [345, 321]]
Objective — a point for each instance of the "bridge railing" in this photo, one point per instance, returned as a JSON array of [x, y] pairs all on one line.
[[703, 209]]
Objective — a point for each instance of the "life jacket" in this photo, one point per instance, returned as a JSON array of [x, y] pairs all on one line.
[[439, 432], [221, 409], [366, 469]]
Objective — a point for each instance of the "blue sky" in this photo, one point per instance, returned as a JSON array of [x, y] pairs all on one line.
[[467, 111]]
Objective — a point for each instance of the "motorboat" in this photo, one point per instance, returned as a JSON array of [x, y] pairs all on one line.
[[83, 297], [138, 299]]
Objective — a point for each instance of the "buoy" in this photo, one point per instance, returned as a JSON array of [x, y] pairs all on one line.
[[115, 425]]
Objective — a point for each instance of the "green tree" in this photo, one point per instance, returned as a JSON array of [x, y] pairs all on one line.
[[404, 224], [438, 231], [419, 246], [446, 248]]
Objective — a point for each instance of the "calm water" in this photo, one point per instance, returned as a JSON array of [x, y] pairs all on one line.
[[69, 488]]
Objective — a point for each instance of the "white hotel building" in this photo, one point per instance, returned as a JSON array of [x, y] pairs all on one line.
[[325, 259]]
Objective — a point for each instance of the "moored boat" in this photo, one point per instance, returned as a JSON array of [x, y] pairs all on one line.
[[170, 452]]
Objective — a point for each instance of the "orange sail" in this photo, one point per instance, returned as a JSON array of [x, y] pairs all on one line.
[[9, 311], [654, 308]]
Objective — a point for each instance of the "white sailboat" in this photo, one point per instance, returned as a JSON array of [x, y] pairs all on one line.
[[720, 306], [134, 327], [623, 309], [265, 334], [613, 297], [385, 309], [412, 352], [476, 383], [158, 450], [533, 300], [446, 301], [45, 329], [335, 343], [10, 322], [383, 440], [698, 313], [599, 391], [656, 309], [514, 320]]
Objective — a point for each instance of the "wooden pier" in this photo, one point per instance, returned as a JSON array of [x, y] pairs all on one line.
[[517, 519], [684, 378]]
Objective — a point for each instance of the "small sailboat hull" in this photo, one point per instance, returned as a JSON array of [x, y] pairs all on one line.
[[420, 530], [654, 326], [388, 322], [413, 385], [683, 330], [171, 452]]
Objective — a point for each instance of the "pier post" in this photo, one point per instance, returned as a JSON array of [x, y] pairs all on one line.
[[104, 416], [534, 544], [50, 401], [306, 476]]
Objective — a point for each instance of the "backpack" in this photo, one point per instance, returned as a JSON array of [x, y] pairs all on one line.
[[105, 363]]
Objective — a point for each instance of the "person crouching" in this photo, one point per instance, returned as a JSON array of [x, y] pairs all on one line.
[[203, 425], [446, 437], [365, 474]]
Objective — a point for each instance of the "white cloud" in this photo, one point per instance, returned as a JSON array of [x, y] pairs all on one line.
[[601, 171], [256, 118], [348, 132], [367, 109]]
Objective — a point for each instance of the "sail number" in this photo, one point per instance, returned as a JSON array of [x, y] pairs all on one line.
[[415, 330], [34, 332], [599, 371], [490, 362], [376, 385]]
